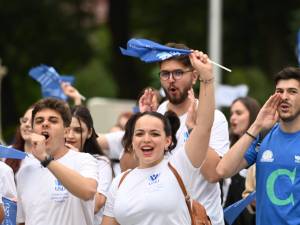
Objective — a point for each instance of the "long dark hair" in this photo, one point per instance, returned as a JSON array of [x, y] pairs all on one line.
[[253, 108], [81, 113], [170, 122], [19, 143]]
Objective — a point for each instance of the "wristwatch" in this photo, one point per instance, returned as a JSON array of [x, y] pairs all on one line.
[[47, 160]]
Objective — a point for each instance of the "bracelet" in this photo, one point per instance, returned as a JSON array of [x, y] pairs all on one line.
[[47, 160], [250, 135], [206, 81]]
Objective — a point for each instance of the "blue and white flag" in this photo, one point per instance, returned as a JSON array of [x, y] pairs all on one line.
[[149, 51], [11, 153], [298, 47], [10, 209], [234, 210], [50, 81]]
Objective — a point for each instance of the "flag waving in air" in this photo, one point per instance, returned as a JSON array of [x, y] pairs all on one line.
[[149, 51], [50, 81]]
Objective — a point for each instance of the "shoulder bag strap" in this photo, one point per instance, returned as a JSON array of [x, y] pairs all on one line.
[[182, 187], [123, 177]]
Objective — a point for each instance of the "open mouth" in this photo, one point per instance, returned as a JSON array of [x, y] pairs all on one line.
[[172, 89], [45, 134], [284, 107], [147, 151]]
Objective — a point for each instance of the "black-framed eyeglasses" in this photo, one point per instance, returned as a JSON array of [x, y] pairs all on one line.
[[176, 74]]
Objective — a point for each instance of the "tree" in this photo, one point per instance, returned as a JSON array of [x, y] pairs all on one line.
[[34, 32]]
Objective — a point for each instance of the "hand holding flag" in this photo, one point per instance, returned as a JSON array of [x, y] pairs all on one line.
[[50, 81]]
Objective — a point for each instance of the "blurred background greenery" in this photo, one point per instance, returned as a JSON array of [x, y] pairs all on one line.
[[82, 38]]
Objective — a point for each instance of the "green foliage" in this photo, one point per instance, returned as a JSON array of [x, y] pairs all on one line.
[[39, 32], [260, 86]]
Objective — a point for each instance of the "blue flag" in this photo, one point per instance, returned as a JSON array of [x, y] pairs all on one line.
[[12, 153], [298, 47], [10, 209], [149, 51], [50, 81], [234, 210]]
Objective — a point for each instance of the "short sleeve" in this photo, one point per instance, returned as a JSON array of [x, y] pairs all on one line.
[[251, 153], [111, 196], [8, 189], [88, 166], [114, 140], [105, 176], [184, 167], [219, 138]]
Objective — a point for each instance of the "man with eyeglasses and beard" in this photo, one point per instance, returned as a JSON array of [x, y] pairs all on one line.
[[177, 78]]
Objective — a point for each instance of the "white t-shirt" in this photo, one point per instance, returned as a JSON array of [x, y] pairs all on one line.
[[208, 194], [43, 200], [104, 181], [8, 189], [152, 195], [114, 140], [1, 188]]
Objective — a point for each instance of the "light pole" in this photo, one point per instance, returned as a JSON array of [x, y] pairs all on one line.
[[215, 36]]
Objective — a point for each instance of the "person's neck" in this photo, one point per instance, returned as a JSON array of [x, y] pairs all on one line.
[[291, 126], [59, 152], [181, 108], [27, 147]]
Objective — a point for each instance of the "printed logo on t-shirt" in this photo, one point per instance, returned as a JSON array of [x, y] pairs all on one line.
[[186, 136], [274, 195], [267, 156], [154, 178], [60, 193]]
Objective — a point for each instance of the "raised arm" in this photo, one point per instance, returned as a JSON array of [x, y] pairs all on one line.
[[82, 187], [72, 92], [208, 169], [233, 161], [148, 101], [197, 143]]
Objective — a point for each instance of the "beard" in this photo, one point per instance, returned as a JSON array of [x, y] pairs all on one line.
[[176, 100], [289, 118]]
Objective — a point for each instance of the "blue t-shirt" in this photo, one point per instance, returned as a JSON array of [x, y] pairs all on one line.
[[277, 177]]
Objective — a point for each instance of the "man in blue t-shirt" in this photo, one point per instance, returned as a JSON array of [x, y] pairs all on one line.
[[277, 158]]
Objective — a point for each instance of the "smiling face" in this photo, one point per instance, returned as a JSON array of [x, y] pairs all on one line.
[[289, 108], [149, 141], [78, 133], [25, 125], [49, 123], [239, 118], [177, 90]]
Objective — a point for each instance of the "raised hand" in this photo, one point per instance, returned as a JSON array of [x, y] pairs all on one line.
[[202, 65], [148, 101], [38, 146], [71, 92], [268, 114]]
